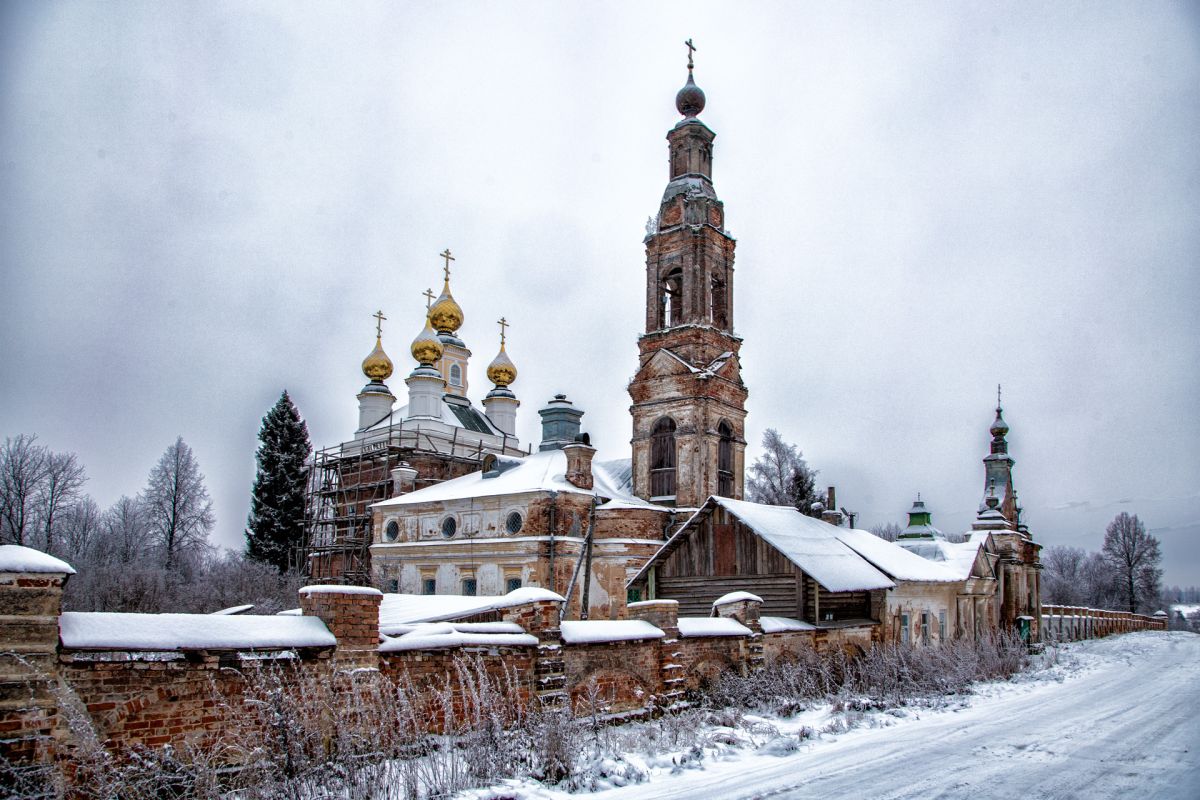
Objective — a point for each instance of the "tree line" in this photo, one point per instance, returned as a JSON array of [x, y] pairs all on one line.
[[1124, 575], [152, 551]]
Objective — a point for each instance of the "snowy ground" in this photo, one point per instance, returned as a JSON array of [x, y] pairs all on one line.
[[1114, 718]]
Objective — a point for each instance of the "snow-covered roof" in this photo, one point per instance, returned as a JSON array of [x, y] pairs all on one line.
[[15, 558], [102, 630], [400, 610], [602, 630], [712, 626], [957, 557], [809, 543], [543, 471], [894, 560]]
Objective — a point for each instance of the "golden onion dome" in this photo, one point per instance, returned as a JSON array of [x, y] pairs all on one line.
[[502, 371], [426, 348], [445, 314], [377, 366]]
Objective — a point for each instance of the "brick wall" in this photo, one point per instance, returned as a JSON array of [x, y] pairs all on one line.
[[29, 718]]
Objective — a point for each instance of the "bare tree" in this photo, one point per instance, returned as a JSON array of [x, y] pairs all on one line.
[[126, 532], [80, 530], [177, 505], [888, 532], [1134, 556], [22, 471], [781, 476], [60, 488], [1062, 576]]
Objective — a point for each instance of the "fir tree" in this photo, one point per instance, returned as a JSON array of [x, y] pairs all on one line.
[[276, 523]]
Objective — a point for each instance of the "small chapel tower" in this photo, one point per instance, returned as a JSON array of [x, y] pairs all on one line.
[[689, 402], [998, 478], [376, 399]]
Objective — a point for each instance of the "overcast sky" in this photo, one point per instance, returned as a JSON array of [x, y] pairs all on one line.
[[203, 204]]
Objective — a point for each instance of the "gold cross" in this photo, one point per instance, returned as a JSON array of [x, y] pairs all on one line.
[[379, 318], [503, 323], [446, 255], [428, 295], [691, 49]]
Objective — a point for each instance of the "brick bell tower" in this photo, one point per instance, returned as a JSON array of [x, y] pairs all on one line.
[[689, 402]]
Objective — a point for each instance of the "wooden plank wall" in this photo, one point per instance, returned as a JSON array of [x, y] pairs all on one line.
[[696, 594]]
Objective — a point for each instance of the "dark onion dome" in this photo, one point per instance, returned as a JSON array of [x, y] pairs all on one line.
[[690, 100], [999, 427]]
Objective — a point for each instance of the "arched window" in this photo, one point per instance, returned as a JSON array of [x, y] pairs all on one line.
[[455, 375], [662, 458], [717, 308], [725, 460], [670, 307]]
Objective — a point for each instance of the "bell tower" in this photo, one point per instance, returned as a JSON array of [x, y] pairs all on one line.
[[689, 402]]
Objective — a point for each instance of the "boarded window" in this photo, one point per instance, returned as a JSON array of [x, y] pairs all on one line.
[[725, 460], [718, 314], [924, 627], [662, 458]]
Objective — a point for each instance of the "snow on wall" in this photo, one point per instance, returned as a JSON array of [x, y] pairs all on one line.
[[402, 609], [102, 630], [15, 558], [336, 589], [435, 635], [736, 597], [593, 630], [712, 626], [784, 624]]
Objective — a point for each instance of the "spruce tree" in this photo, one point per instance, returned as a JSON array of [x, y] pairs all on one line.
[[276, 523]]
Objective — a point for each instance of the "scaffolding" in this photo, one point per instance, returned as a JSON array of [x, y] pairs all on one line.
[[345, 480]]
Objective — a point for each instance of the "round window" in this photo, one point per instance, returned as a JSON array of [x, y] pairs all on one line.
[[392, 531], [449, 526], [514, 522]]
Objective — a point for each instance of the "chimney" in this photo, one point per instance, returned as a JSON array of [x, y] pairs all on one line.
[[831, 513], [579, 463], [404, 479], [560, 423]]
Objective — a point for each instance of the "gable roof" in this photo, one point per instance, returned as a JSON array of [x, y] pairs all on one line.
[[810, 544], [543, 471], [894, 560]]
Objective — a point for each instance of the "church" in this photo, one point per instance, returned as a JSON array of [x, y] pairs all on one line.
[[438, 497]]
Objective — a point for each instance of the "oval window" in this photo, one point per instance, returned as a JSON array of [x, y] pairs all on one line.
[[449, 526], [514, 522], [392, 531]]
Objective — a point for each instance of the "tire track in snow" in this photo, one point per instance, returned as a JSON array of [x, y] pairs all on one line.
[[1127, 728]]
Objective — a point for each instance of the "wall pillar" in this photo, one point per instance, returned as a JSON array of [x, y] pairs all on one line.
[[664, 615], [30, 603], [352, 615]]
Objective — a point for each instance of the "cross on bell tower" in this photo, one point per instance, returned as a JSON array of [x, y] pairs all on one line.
[[689, 401]]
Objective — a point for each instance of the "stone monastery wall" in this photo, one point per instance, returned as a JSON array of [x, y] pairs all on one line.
[[53, 696]]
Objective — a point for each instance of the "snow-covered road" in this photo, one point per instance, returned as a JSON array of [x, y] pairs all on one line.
[[1126, 724]]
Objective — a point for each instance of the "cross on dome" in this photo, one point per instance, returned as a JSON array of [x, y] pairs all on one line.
[[428, 295], [446, 255], [503, 323], [691, 49], [379, 318]]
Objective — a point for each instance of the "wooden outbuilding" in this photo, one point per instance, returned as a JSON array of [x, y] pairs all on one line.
[[795, 563]]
